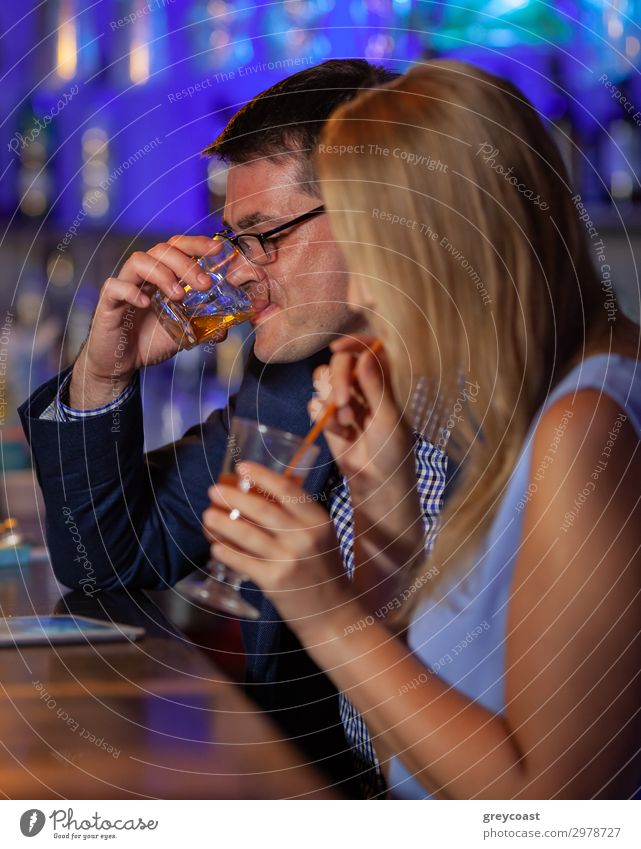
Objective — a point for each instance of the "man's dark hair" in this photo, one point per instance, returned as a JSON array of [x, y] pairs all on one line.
[[287, 119]]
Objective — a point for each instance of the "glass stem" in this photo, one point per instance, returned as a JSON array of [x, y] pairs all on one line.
[[221, 573]]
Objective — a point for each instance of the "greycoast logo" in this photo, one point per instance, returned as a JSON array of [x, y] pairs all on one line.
[[31, 822]]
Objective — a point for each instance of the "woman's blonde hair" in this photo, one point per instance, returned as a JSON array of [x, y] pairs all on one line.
[[453, 206]]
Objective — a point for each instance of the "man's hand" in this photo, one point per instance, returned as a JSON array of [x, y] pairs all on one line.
[[125, 334]]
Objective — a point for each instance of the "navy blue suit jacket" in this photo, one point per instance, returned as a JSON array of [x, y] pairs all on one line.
[[139, 517]]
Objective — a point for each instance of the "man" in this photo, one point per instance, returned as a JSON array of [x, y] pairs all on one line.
[[139, 516]]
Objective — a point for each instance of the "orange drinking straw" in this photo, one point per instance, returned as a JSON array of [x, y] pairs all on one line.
[[320, 423]]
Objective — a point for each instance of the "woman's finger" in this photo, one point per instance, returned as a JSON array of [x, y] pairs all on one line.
[[332, 428], [322, 382], [341, 378], [243, 534], [256, 506], [343, 417], [287, 492], [246, 565], [269, 501], [375, 384], [315, 408], [372, 380], [345, 379]]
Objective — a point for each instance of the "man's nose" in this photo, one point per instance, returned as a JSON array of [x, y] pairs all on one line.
[[241, 271]]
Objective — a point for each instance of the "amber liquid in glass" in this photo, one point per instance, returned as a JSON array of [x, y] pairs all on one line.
[[205, 326], [231, 479]]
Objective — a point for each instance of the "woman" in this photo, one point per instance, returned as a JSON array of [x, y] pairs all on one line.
[[518, 674]]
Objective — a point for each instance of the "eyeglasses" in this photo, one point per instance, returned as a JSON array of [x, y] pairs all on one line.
[[260, 248]]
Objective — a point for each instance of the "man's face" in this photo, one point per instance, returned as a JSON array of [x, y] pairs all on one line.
[[306, 283]]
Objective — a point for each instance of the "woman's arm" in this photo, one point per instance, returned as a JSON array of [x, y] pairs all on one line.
[[571, 725], [574, 628]]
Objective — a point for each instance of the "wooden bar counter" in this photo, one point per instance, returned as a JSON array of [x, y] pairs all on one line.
[[150, 719]]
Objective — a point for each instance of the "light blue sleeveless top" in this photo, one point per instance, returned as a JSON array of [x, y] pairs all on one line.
[[461, 634]]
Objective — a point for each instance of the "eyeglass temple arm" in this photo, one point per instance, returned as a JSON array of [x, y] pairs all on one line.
[[299, 220], [228, 234]]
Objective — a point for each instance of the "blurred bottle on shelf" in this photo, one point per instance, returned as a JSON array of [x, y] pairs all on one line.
[[32, 143], [621, 150]]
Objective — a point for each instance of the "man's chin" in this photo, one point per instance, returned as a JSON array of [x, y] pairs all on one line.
[[288, 352], [273, 350], [276, 341]]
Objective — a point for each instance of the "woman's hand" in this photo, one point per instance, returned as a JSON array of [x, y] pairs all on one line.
[[367, 436], [283, 541]]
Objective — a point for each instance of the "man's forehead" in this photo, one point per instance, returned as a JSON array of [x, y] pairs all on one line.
[[261, 192]]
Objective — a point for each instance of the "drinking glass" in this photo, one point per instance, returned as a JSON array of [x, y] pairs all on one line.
[[276, 449], [200, 315]]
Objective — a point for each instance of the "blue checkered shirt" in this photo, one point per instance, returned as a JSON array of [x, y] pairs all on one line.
[[431, 466], [58, 411]]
